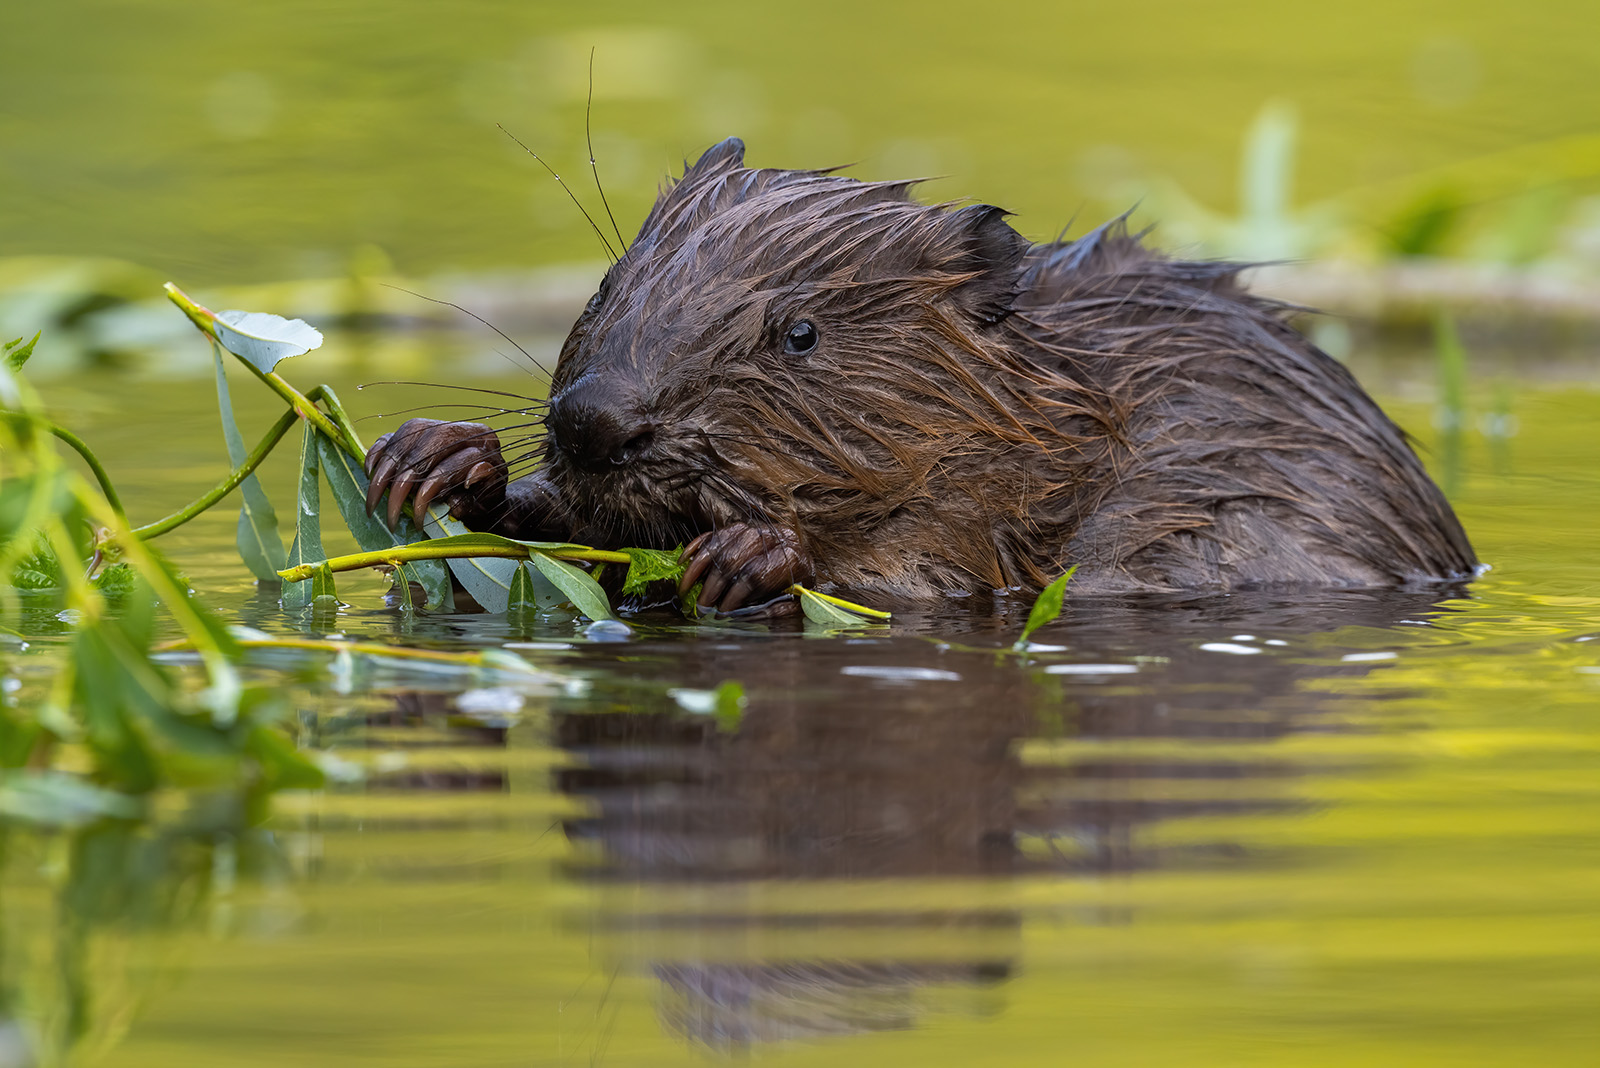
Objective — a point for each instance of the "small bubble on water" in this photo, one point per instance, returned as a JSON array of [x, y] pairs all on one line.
[[608, 630]]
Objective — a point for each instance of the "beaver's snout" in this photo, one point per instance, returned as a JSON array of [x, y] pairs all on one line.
[[595, 433]]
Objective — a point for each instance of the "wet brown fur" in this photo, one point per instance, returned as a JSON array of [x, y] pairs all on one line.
[[980, 411]]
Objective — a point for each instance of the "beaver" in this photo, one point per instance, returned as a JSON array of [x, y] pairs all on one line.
[[812, 378]]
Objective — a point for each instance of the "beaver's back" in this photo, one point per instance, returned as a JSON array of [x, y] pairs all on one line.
[[1238, 455]]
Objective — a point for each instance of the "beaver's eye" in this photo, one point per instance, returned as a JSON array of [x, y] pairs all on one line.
[[802, 338]]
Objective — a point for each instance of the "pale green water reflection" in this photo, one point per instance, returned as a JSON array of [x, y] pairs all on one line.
[[1341, 830]]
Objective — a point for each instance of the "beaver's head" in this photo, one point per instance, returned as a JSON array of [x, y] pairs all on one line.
[[778, 346]]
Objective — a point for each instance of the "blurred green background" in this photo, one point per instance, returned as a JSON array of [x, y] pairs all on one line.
[[226, 142]]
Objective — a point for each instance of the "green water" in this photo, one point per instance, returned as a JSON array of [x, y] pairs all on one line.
[[1354, 829], [217, 142]]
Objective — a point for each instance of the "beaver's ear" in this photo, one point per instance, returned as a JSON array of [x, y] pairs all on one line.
[[992, 252], [724, 155]]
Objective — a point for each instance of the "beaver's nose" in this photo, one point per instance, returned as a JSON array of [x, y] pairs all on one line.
[[594, 434]]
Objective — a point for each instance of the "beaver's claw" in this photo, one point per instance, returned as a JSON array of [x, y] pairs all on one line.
[[459, 463], [743, 565]]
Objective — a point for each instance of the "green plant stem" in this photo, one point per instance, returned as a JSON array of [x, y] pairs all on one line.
[[81, 447], [401, 554], [223, 488], [204, 320], [352, 440]]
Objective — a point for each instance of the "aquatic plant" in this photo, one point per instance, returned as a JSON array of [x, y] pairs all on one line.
[[113, 724]]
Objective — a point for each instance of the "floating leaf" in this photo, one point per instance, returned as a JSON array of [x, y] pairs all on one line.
[[307, 547], [348, 482], [259, 544], [1045, 609], [582, 590], [651, 565], [835, 611], [16, 353]]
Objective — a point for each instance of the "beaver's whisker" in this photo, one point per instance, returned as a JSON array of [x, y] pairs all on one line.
[[588, 139], [539, 368], [447, 405], [532, 402], [570, 194]]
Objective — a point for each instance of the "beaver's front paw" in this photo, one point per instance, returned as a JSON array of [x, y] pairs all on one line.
[[744, 565], [458, 462]]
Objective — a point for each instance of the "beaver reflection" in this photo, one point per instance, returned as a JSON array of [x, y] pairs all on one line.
[[892, 759]]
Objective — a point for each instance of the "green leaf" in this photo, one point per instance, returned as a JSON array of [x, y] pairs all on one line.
[[348, 482], [584, 592], [487, 579], [651, 565], [1045, 609], [262, 339], [259, 544], [307, 547], [116, 582], [322, 585], [835, 611], [521, 597], [16, 352], [403, 578], [115, 688]]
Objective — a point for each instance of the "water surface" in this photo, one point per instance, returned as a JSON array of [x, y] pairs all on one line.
[[1338, 829]]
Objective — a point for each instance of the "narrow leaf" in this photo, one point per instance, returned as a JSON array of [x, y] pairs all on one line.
[[1045, 609], [487, 579], [259, 544], [307, 547], [322, 584], [584, 592], [834, 611], [521, 597], [348, 482]]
